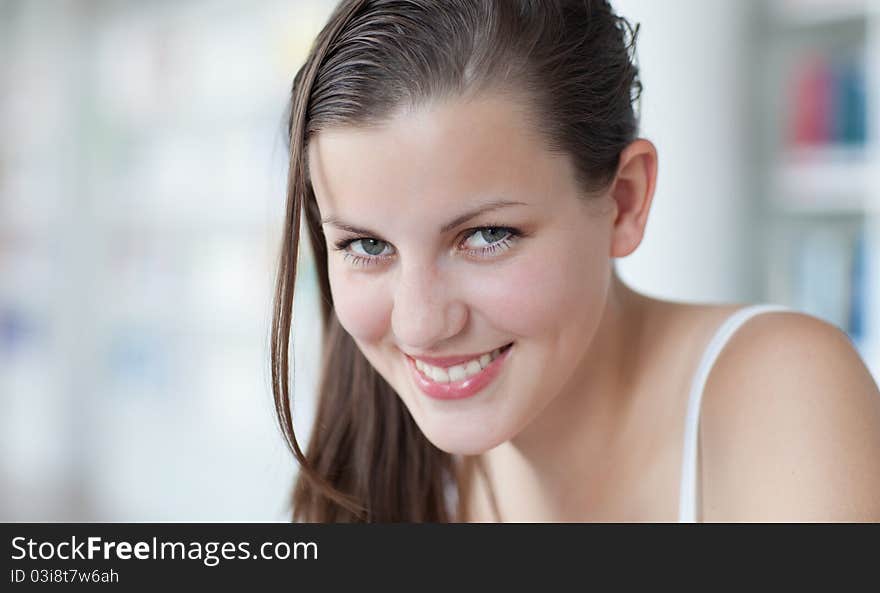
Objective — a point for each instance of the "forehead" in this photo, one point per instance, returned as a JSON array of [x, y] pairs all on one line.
[[441, 155]]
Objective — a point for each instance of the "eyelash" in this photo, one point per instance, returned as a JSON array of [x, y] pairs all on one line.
[[504, 244]]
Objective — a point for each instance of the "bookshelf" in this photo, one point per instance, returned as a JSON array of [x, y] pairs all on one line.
[[817, 128]]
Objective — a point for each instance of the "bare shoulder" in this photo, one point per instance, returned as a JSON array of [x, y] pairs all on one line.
[[790, 426]]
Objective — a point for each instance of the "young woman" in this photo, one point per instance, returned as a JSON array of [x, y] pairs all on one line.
[[468, 171]]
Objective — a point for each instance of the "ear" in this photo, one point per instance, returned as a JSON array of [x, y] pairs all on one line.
[[632, 191]]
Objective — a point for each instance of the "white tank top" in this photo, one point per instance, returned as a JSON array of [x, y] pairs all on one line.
[[687, 498]]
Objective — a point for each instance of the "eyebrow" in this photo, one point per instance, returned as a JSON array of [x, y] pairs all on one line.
[[452, 224]]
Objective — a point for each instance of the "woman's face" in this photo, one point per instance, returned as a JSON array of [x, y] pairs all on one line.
[[534, 273]]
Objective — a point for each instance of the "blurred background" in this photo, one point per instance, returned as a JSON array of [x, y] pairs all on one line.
[[142, 174]]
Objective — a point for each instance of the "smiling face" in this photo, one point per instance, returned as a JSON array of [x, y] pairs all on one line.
[[410, 277]]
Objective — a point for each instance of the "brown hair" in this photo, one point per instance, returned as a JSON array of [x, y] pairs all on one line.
[[573, 63]]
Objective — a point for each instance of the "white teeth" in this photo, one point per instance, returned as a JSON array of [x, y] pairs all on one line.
[[439, 375], [459, 371]]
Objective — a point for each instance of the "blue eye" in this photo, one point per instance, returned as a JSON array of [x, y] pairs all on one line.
[[370, 250], [371, 247], [493, 238]]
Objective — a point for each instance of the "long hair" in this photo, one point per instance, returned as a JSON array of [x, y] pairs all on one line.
[[572, 61]]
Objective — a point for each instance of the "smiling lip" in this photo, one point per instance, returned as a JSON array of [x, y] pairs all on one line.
[[459, 389]]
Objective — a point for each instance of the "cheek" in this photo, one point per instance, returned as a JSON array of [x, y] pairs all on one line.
[[542, 290], [361, 304]]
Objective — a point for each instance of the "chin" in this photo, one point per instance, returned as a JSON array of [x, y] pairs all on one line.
[[461, 447], [474, 441]]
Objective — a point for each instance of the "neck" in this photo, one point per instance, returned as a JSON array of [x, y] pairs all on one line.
[[545, 473]]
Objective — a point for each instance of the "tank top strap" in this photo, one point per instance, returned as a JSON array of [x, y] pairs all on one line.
[[687, 501]]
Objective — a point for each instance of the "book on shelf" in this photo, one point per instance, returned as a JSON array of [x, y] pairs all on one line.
[[827, 100]]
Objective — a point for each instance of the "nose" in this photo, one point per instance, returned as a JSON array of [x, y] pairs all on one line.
[[426, 310]]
